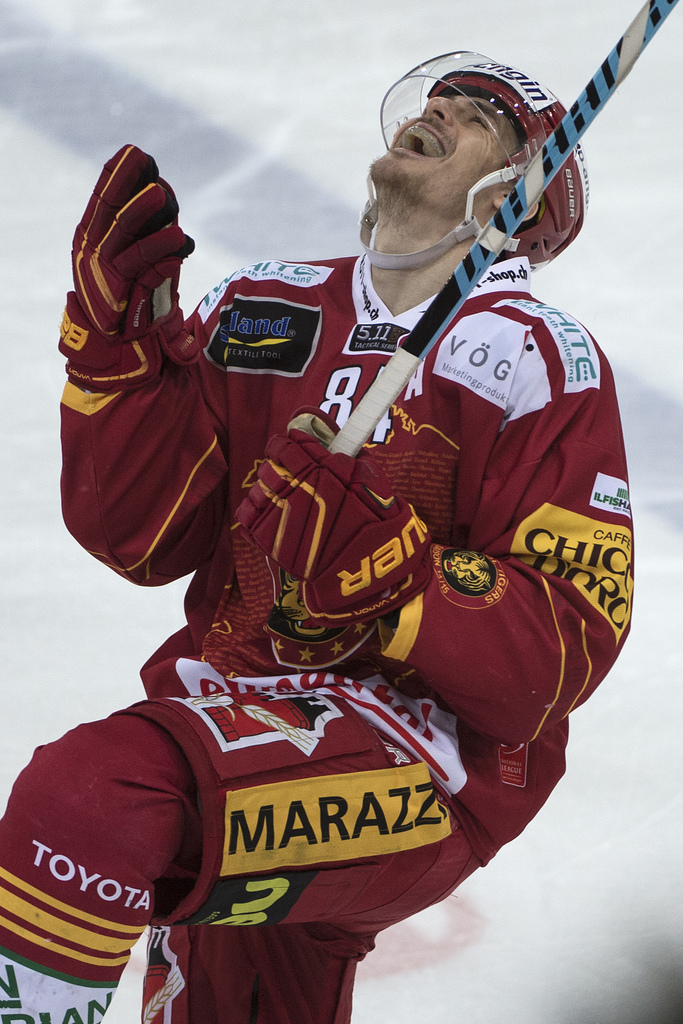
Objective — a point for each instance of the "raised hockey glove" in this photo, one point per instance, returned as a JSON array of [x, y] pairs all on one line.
[[334, 523], [127, 254]]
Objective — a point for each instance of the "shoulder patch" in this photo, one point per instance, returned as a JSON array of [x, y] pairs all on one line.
[[482, 354], [302, 275], [263, 335], [611, 493], [576, 347]]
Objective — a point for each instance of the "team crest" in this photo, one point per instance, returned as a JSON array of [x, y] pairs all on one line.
[[240, 722], [468, 578], [297, 640]]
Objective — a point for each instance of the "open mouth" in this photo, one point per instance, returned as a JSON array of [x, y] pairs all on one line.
[[420, 140]]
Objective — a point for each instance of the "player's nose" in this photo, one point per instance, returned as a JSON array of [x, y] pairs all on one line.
[[441, 107]]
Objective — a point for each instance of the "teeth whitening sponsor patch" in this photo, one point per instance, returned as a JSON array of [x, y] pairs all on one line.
[[611, 494], [303, 275], [576, 347]]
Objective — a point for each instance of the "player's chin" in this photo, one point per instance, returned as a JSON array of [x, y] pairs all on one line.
[[393, 168]]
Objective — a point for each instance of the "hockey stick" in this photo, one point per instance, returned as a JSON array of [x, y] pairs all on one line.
[[438, 318]]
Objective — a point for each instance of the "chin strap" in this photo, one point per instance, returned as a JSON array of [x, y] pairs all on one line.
[[468, 228]]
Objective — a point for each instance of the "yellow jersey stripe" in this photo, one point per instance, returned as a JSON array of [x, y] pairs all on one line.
[[401, 642], [563, 658], [86, 402], [175, 508], [589, 662]]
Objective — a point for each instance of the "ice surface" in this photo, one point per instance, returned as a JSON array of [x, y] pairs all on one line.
[[264, 117]]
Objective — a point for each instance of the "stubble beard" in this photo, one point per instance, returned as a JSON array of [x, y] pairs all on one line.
[[403, 195], [399, 194]]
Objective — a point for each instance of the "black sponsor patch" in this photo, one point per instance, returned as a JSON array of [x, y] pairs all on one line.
[[251, 901], [375, 338], [265, 336]]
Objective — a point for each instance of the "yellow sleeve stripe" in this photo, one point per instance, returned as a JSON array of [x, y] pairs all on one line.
[[56, 947], [401, 643], [590, 666], [32, 915], [86, 402], [563, 659], [100, 922], [175, 508]]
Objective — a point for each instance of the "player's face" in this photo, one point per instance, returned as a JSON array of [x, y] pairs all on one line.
[[437, 157]]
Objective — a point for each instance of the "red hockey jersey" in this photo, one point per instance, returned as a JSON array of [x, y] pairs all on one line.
[[508, 443]]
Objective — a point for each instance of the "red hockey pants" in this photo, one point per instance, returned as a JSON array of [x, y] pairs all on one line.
[[107, 817]]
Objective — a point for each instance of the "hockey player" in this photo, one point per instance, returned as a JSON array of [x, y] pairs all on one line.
[[370, 694]]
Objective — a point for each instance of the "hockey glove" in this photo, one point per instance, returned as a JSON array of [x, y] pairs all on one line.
[[333, 523], [127, 254]]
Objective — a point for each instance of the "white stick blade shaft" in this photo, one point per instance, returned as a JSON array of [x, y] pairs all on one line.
[[372, 407]]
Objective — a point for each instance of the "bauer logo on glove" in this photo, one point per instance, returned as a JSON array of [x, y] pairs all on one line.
[[334, 523]]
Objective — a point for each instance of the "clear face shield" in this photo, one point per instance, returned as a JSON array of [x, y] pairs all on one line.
[[507, 97]]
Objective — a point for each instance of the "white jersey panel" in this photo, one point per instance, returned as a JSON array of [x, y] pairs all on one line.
[[530, 389]]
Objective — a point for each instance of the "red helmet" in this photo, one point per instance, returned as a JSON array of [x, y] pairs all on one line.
[[534, 113]]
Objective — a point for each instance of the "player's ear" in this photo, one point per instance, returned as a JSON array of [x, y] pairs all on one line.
[[500, 198]]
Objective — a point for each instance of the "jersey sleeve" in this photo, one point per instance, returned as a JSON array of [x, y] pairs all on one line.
[[144, 476], [519, 623]]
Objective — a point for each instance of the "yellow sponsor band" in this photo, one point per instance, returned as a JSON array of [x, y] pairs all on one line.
[[257, 344], [331, 818], [593, 555]]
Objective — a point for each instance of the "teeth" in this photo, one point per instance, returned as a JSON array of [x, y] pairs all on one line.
[[419, 140]]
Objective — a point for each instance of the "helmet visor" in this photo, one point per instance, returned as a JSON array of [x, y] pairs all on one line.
[[505, 94]]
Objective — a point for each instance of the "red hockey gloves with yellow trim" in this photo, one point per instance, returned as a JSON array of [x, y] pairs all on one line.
[[333, 523], [127, 254]]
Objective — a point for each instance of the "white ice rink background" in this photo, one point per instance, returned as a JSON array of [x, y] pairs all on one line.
[[264, 116]]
